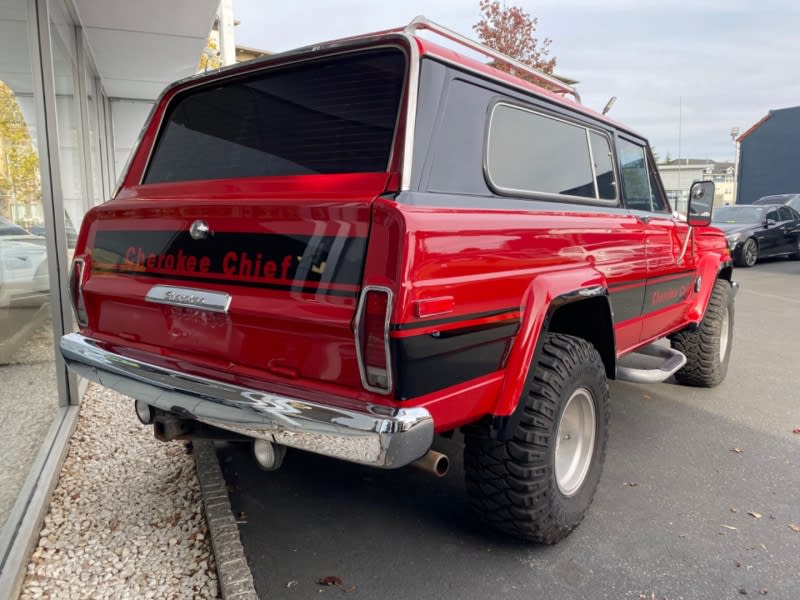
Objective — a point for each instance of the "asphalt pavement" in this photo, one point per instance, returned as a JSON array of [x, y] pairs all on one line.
[[699, 490]]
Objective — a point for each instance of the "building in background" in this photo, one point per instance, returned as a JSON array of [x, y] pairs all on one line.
[[77, 81], [769, 156], [678, 176]]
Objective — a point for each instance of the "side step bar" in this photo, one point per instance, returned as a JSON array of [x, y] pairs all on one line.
[[671, 361]]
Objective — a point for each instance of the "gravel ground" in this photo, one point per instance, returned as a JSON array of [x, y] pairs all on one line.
[[126, 519], [28, 403]]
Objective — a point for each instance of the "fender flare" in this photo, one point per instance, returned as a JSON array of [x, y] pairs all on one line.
[[539, 307]]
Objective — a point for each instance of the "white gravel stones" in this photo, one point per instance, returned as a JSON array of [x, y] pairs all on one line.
[[126, 519]]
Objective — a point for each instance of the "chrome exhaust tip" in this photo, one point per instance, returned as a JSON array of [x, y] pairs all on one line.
[[144, 412], [269, 456], [435, 463]]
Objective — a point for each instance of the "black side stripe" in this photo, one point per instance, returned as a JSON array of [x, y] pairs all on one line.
[[646, 296], [429, 362]]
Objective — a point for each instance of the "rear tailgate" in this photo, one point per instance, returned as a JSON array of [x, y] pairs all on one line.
[[289, 270]]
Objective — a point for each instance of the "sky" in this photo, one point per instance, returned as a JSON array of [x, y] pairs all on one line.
[[684, 72]]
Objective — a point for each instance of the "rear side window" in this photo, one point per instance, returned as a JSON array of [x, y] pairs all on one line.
[[333, 115], [785, 214], [530, 153]]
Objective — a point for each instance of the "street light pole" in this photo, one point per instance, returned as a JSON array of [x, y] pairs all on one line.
[[734, 136]]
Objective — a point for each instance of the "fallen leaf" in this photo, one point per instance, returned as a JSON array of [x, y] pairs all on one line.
[[795, 528], [737, 450], [738, 564], [763, 591], [241, 517], [733, 510], [731, 527], [742, 591], [763, 547], [754, 514], [796, 430], [347, 590], [646, 397], [292, 583], [330, 580], [630, 483]]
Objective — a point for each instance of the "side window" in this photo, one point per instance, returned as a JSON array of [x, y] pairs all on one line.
[[530, 153], [772, 215], [603, 166], [635, 180], [785, 214]]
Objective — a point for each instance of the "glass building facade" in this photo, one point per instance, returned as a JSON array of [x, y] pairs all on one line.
[[63, 139]]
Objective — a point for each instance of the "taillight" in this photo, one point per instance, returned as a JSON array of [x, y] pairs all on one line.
[[372, 338], [77, 277]]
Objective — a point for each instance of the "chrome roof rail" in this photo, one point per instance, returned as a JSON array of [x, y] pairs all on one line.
[[421, 22]]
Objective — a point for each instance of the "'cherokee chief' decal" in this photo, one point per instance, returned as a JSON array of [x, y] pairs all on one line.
[[322, 264]]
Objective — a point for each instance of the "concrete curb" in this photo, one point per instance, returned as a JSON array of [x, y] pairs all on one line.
[[233, 572]]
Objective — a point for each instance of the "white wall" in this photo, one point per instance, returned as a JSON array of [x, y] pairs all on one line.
[[127, 120]]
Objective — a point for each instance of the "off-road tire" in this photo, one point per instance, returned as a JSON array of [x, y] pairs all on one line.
[[512, 484], [705, 365], [745, 258]]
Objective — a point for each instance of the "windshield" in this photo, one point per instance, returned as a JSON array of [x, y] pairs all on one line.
[[777, 199], [9, 228], [739, 214]]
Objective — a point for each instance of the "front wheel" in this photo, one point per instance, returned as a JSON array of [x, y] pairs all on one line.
[[708, 347], [796, 254], [538, 485], [748, 254]]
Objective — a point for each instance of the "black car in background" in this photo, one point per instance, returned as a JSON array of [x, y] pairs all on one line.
[[791, 200], [758, 231]]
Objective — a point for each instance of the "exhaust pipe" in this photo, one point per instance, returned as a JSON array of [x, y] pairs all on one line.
[[269, 456], [433, 462]]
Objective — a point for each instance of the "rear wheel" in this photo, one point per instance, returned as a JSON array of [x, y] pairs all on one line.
[[748, 255], [708, 348], [796, 254], [538, 485]]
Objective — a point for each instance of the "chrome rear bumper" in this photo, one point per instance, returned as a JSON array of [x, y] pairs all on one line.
[[369, 434]]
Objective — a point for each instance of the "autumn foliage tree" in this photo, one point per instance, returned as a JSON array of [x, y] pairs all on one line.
[[511, 30], [20, 183]]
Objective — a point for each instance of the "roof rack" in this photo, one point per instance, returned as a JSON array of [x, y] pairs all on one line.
[[421, 22]]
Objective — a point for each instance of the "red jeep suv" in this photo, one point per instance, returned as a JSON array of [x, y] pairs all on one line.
[[351, 247]]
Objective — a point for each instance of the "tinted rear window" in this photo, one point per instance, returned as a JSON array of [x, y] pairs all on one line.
[[334, 115]]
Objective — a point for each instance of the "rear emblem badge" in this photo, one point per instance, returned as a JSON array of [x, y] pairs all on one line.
[[199, 230]]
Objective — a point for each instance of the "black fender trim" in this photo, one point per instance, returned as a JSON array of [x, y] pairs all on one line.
[[503, 427]]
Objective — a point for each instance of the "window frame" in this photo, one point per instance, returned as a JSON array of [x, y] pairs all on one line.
[[550, 196]]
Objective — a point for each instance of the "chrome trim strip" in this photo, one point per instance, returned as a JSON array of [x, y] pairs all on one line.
[[371, 434], [412, 99], [362, 369], [189, 298]]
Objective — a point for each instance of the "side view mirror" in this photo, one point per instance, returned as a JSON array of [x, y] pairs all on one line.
[[770, 222], [701, 201]]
